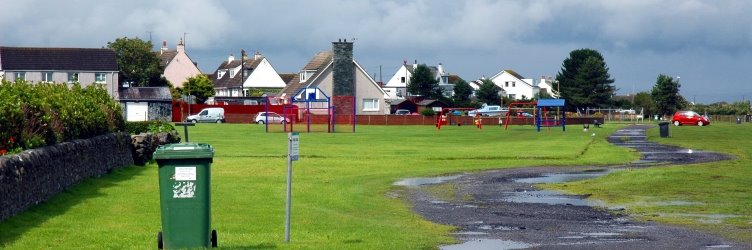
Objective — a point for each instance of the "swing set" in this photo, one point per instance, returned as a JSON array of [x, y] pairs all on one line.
[[541, 111]]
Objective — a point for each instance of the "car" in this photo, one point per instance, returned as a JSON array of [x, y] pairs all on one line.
[[493, 110], [689, 118], [271, 117], [402, 112], [216, 115], [523, 114]]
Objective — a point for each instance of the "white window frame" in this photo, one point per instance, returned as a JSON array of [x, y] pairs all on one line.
[[47, 76], [97, 75], [21, 75], [73, 77], [370, 104]]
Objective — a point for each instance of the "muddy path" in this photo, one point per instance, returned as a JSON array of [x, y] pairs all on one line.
[[501, 209]]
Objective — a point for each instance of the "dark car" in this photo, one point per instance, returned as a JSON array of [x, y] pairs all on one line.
[[689, 118]]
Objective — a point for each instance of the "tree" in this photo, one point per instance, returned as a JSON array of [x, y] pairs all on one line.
[[666, 95], [198, 86], [644, 101], [424, 83], [462, 92], [488, 93], [139, 66], [584, 80]]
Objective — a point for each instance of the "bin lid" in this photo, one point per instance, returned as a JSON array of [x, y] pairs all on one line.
[[184, 151]]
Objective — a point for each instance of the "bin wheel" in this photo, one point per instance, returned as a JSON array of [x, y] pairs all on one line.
[[160, 244], [214, 238]]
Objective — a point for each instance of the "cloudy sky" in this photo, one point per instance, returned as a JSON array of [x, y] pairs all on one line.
[[707, 43]]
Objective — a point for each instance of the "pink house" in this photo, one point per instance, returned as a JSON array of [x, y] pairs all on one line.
[[178, 67]]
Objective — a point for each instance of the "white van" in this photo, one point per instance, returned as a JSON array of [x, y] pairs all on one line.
[[208, 115]]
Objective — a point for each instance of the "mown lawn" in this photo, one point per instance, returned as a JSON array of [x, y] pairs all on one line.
[[343, 197], [715, 196]]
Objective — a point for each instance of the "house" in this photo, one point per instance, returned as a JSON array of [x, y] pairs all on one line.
[[397, 84], [257, 75], [178, 67], [405, 104], [336, 73], [516, 87], [433, 104], [86, 66], [146, 103]]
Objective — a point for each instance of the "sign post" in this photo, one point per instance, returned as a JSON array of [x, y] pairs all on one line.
[[293, 139]]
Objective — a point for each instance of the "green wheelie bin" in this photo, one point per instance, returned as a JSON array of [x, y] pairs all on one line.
[[185, 195]]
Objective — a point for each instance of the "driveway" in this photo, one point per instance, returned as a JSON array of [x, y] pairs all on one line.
[[501, 209]]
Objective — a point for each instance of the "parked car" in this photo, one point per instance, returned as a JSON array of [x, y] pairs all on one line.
[[523, 114], [271, 117], [689, 118], [216, 115], [493, 110], [402, 112]]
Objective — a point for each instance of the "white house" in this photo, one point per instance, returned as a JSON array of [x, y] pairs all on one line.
[[258, 73], [178, 67], [397, 84], [370, 98], [516, 87]]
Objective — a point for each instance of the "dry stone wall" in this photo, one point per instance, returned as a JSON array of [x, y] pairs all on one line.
[[34, 176]]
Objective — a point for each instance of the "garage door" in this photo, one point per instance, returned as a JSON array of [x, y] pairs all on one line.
[[137, 111]]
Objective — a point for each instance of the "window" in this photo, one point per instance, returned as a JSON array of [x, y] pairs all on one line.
[[506, 84], [513, 84], [72, 77], [370, 104], [512, 96], [402, 79], [220, 74], [20, 76], [100, 77], [47, 77]]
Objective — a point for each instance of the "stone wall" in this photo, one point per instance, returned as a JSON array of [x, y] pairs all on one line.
[[34, 176]]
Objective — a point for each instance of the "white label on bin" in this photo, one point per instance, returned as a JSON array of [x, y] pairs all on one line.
[[185, 173], [183, 189], [183, 148]]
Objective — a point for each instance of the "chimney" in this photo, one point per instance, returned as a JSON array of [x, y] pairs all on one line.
[[415, 65], [257, 55], [181, 46], [343, 71], [230, 58], [164, 47]]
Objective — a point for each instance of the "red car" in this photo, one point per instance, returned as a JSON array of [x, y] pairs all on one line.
[[689, 118]]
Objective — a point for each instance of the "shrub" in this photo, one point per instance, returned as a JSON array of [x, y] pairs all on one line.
[[134, 128], [36, 115], [428, 112]]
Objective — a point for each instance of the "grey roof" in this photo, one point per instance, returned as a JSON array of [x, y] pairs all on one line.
[[57, 59], [317, 63], [229, 81], [146, 94]]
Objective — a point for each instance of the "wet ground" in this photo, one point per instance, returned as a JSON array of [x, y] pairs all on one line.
[[501, 209]]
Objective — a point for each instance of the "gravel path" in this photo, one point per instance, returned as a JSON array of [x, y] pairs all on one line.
[[501, 209]]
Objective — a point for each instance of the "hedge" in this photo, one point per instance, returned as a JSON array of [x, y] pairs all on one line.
[[41, 114]]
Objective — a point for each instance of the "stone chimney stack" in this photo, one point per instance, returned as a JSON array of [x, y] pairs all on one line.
[[343, 70], [181, 46], [164, 47]]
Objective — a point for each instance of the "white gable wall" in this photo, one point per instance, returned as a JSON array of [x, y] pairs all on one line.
[[264, 76], [513, 86]]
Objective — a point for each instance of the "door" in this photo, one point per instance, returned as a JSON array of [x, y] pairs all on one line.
[[137, 111]]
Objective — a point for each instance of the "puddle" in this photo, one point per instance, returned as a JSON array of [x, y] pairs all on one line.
[[549, 197], [482, 244], [719, 246], [502, 228], [425, 181], [470, 233], [703, 218], [564, 177], [601, 234]]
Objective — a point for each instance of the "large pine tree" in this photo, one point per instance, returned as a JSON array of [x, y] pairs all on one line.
[[584, 80]]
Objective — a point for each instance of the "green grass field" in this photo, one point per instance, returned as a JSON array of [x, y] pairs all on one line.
[[715, 196], [343, 197]]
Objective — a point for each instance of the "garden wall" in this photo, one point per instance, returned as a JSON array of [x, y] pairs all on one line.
[[34, 176]]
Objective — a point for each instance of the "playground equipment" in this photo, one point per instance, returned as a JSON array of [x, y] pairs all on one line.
[[311, 110], [542, 119], [454, 116], [541, 110]]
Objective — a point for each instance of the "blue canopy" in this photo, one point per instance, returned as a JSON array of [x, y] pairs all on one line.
[[551, 103]]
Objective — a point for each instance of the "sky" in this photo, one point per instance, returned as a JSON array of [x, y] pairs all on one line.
[[705, 44]]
